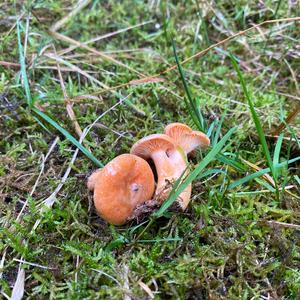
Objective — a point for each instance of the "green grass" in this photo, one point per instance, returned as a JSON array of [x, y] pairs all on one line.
[[239, 237], [259, 128]]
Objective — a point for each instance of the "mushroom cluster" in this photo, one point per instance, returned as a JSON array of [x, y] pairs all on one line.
[[128, 181]]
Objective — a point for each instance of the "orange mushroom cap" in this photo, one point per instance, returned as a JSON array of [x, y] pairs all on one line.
[[158, 147], [175, 130], [120, 186], [146, 146], [187, 138]]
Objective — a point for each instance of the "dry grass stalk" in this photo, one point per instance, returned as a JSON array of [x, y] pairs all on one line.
[[69, 108]]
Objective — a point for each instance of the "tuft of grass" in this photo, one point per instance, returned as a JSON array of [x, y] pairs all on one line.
[[258, 125]]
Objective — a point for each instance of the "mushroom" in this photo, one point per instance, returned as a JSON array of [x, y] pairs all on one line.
[[170, 163], [187, 138], [120, 186]]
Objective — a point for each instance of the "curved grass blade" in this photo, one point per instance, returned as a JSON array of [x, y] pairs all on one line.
[[86, 152]]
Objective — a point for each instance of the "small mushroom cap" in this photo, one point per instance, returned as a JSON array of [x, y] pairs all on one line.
[[175, 130], [188, 139], [121, 185], [152, 143]]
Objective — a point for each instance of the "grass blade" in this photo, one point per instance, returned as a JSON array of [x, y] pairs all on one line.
[[42, 125], [257, 123], [211, 128], [23, 66], [211, 173], [86, 152], [276, 155], [161, 240], [206, 160], [265, 184], [217, 132], [293, 134], [191, 112], [260, 173], [233, 163], [192, 105]]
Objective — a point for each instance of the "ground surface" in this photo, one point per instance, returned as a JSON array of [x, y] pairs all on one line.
[[232, 242]]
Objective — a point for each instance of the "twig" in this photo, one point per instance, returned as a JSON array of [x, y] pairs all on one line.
[[256, 168], [282, 224], [33, 264], [125, 281], [9, 64], [4, 295], [288, 96], [77, 265], [18, 289], [54, 28], [146, 288]]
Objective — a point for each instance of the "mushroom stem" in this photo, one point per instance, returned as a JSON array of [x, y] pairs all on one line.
[[164, 168], [170, 163], [170, 166]]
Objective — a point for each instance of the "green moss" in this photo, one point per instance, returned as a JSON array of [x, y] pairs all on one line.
[[223, 246]]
